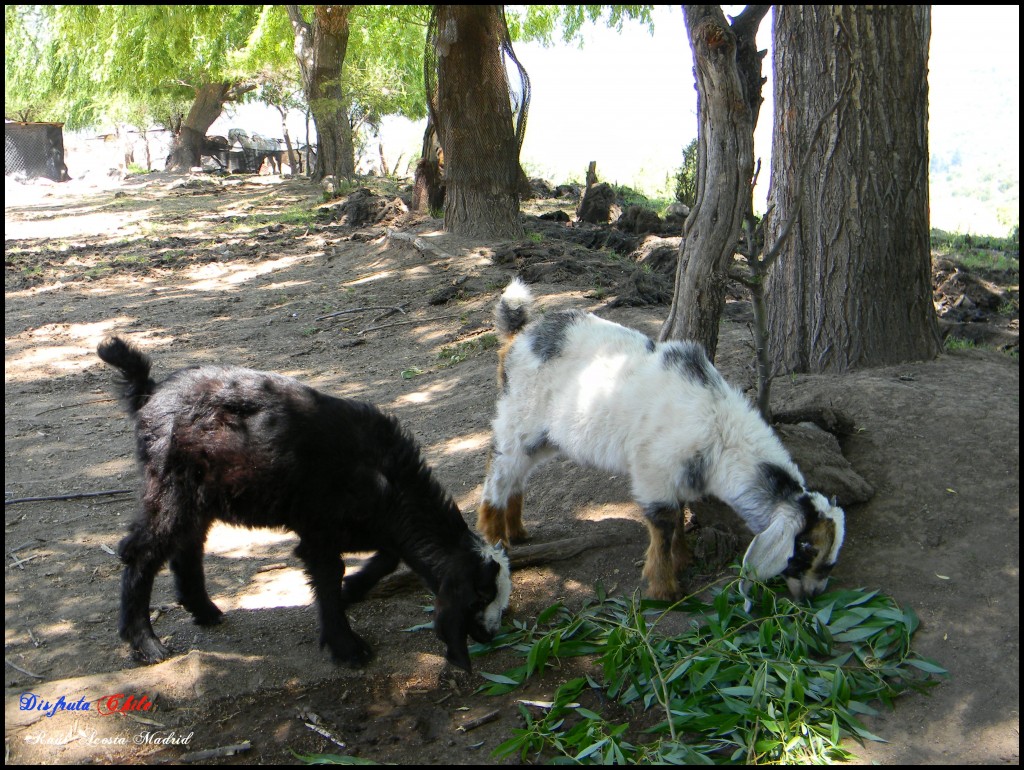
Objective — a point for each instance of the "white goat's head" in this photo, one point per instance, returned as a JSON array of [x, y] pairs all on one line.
[[802, 543]]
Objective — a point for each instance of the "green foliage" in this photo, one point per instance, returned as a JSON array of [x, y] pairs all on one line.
[[540, 22], [980, 252], [451, 355], [958, 343], [785, 684], [686, 176], [27, 88], [331, 759], [85, 64]]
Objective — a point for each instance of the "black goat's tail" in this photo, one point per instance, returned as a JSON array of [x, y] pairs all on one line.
[[138, 386], [514, 308]]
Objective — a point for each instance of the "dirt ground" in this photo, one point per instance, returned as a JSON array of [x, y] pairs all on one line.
[[232, 271]]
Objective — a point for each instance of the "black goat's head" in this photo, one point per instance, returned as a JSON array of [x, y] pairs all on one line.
[[471, 605]]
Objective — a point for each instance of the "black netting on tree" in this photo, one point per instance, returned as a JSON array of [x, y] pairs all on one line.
[[34, 150], [487, 29]]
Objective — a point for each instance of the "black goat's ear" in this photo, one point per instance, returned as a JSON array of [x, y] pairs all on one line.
[[451, 629], [487, 575]]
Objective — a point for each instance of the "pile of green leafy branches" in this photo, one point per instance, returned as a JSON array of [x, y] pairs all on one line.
[[784, 683]]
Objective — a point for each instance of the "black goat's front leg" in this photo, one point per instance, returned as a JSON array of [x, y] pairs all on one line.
[[326, 571], [357, 585], [190, 582]]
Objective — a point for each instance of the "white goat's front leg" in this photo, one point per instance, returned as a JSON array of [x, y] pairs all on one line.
[[500, 518], [668, 553]]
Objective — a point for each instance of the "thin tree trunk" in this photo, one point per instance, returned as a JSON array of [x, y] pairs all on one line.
[[852, 286], [320, 49], [728, 95], [187, 145], [428, 181]]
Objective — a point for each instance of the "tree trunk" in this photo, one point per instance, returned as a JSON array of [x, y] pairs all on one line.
[[728, 77], [852, 285], [188, 140], [475, 124], [428, 182], [320, 50]]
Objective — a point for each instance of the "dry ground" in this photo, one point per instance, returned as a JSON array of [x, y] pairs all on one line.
[[233, 273]]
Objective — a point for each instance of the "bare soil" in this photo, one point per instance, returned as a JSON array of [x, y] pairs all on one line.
[[228, 271]]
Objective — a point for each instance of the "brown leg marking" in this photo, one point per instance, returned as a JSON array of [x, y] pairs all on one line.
[[514, 529], [682, 551], [490, 523], [658, 572]]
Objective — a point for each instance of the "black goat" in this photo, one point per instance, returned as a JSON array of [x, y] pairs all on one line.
[[263, 450]]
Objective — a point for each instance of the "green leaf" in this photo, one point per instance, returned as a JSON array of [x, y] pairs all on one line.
[[929, 666]]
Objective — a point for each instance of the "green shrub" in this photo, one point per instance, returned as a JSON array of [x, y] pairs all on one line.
[[686, 176]]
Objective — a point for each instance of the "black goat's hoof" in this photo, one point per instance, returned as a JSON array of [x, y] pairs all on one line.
[[210, 615], [151, 650], [354, 653]]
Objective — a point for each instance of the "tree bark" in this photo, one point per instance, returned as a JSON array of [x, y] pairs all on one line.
[[187, 144], [428, 182], [852, 285], [475, 122], [728, 79], [320, 49]]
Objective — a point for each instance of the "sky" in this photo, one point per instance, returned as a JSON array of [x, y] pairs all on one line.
[[627, 101]]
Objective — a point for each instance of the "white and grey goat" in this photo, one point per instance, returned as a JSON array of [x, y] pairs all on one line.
[[608, 396]]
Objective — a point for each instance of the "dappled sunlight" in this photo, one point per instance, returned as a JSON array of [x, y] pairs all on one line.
[[369, 278], [111, 468], [71, 225], [419, 271], [217, 276], [38, 358], [469, 443], [604, 511], [425, 395], [241, 543], [285, 587], [279, 285]]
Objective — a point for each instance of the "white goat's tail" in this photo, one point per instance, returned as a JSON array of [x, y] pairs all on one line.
[[514, 308]]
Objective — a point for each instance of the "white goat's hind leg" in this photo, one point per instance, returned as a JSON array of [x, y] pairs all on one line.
[[500, 518], [665, 525]]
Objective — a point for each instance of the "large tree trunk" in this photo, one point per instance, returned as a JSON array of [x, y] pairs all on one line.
[[852, 285], [475, 122], [729, 81], [188, 141], [320, 50]]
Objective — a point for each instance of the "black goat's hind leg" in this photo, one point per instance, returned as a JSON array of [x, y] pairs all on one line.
[[357, 585], [190, 582], [143, 561], [326, 571]]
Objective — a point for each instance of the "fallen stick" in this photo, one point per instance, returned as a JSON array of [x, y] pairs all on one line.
[[74, 496], [472, 724], [223, 751], [26, 673], [360, 310], [520, 557], [410, 321], [417, 243]]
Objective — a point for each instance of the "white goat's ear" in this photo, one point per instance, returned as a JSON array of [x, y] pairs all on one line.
[[833, 501], [771, 550]]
